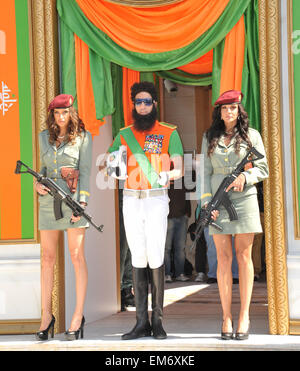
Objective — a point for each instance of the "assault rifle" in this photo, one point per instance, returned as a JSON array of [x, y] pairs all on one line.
[[59, 196], [221, 198]]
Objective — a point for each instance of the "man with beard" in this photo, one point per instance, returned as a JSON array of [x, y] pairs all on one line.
[[152, 147]]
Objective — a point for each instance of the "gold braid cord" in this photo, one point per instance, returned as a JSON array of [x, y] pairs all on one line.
[[144, 3], [46, 86], [269, 43]]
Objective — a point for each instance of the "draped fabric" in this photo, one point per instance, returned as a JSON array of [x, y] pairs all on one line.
[[129, 78], [86, 105], [144, 3], [167, 40], [157, 29], [200, 66], [232, 66]]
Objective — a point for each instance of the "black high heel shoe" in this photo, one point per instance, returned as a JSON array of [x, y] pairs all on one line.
[[74, 335], [243, 335], [43, 335], [227, 335]]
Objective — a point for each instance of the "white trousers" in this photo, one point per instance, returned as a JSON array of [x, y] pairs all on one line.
[[146, 224]]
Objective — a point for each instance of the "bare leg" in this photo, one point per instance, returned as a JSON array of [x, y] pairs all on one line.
[[223, 244], [243, 245], [76, 238], [49, 240]]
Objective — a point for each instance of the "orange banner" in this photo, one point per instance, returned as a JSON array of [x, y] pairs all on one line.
[[10, 184]]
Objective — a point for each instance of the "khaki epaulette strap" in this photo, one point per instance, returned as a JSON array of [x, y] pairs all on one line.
[[125, 127], [171, 126]]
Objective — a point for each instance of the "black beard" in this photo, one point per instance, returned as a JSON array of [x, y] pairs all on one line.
[[144, 122]]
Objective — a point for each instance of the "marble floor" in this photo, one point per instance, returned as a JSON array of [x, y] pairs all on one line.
[[192, 319]]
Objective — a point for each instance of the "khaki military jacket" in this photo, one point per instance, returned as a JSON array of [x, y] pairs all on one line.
[[224, 160], [77, 156]]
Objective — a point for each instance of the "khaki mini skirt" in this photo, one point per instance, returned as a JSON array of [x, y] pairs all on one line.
[[46, 213], [248, 217]]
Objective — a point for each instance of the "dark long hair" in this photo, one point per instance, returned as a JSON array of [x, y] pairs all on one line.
[[75, 126], [217, 129]]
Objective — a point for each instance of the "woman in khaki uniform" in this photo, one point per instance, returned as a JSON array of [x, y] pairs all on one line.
[[65, 157], [224, 145]]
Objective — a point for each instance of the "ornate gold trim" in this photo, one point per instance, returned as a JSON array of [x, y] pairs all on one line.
[[294, 327], [275, 230], [293, 122], [20, 326], [46, 86], [144, 3]]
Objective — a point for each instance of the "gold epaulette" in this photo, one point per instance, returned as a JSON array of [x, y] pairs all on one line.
[[125, 127], [171, 126]]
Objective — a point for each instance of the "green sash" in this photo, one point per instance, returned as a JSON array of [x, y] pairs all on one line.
[[140, 157]]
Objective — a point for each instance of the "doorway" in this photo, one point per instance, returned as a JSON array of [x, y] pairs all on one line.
[[190, 109]]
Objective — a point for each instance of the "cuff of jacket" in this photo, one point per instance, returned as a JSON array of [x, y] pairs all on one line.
[[248, 176], [206, 197], [84, 196]]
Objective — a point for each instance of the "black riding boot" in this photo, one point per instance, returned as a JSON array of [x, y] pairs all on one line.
[[140, 286], [157, 291]]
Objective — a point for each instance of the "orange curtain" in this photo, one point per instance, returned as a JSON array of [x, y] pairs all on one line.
[[129, 78], [200, 66], [157, 29], [233, 58], [84, 88]]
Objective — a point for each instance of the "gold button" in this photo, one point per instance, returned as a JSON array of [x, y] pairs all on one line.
[[225, 150], [226, 159], [55, 170], [55, 179], [54, 161]]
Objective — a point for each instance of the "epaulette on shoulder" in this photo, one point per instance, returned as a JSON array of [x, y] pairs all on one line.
[[126, 127], [253, 130], [44, 132], [170, 126]]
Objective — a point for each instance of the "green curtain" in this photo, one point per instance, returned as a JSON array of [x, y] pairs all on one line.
[[117, 83], [67, 55], [184, 78], [217, 69], [102, 85], [250, 82]]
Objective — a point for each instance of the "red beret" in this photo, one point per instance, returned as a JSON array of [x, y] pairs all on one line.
[[61, 101], [230, 96]]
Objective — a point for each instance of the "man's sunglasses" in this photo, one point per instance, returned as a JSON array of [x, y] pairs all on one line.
[[146, 101]]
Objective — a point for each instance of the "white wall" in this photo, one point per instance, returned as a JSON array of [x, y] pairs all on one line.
[[180, 111], [100, 248], [20, 282]]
